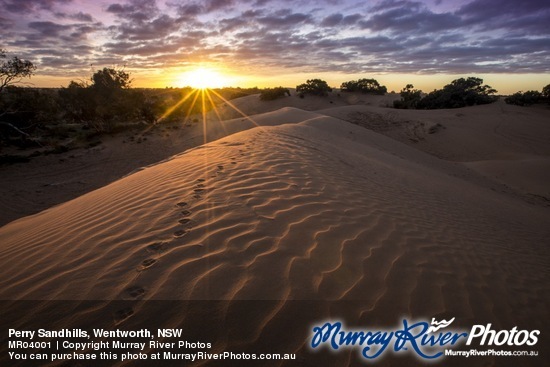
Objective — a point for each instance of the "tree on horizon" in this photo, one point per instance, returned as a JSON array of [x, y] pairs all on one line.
[[410, 97], [316, 87], [13, 70], [459, 93], [367, 86]]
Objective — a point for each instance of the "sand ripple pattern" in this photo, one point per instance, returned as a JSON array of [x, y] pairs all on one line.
[[289, 213]]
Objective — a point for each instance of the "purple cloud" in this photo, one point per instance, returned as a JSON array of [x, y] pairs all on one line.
[[339, 35], [29, 6]]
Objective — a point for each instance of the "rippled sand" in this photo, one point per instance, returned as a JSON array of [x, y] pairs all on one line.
[[315, 210]]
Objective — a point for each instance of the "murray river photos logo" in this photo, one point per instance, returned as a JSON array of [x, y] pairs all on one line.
[[425, 340]]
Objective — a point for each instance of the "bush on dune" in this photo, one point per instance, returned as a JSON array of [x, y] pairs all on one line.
[[269, 94], [315, 87], [459, 93], [370, 86], [524, 99], [410, 97], [233, 93], [530, 97], [546, 93]]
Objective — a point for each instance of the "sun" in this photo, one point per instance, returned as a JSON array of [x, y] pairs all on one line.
[[202, 78]]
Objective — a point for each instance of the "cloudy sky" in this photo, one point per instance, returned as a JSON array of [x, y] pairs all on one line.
[[272, 42]]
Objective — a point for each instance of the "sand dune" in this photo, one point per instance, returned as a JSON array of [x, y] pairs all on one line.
[[500, 133], [54, 179], [303, 208]]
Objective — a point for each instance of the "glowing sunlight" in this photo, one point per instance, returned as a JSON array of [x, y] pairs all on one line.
[[202, 78]]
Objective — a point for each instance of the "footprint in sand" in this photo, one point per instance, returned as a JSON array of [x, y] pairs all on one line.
[[181, 204], [180, 233], [197, 196], [135, 291], [156, 247], [200, 180], [123, 314], [199, 185], [146, 264], [199, 190], [220, 167], [184, 221], [186, 213]]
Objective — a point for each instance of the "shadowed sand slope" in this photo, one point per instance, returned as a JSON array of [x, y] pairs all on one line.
[[317, 209], [503, 143]]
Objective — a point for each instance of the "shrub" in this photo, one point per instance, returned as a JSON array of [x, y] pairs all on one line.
[[24, 110], [546, 93], [78, 102], [233, 93], [460, 93], [110, 80], [269, 94], [370, 86], [410, 97], [314, 86], [524, 99], [107, 101]]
